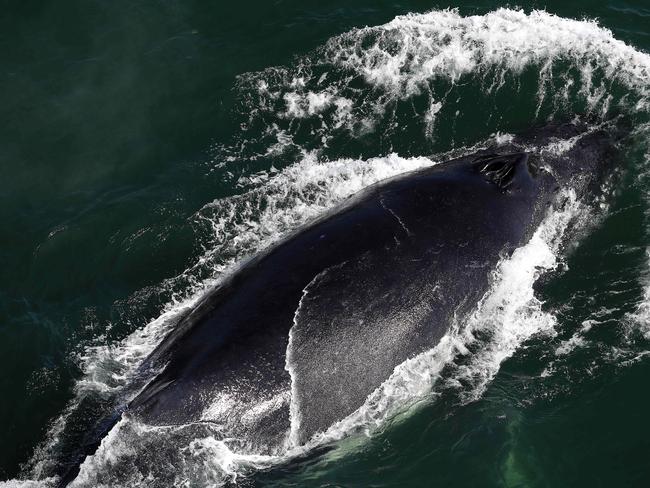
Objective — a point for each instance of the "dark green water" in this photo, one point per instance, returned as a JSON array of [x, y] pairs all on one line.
[[131, 135]]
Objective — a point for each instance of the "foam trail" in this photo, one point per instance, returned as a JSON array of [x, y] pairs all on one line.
[[642, 315], [427, 55], [639, 320], [511, 313], [448, 45]]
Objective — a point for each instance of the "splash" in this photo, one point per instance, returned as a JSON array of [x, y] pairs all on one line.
[[360, 82]]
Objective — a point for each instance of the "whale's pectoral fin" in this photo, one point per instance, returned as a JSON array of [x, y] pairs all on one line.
[[355, 323]]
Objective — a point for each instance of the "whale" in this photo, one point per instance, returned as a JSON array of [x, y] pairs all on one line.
[[311, 326]]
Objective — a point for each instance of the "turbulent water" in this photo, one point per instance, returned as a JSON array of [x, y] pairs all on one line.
[[150, 147]]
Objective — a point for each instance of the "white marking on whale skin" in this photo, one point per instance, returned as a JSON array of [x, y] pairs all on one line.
[[294, 411], [294, 407], [397, 217], [293, 441], [262, 408]]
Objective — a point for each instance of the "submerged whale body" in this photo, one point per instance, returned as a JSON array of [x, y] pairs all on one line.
[[309, 328]]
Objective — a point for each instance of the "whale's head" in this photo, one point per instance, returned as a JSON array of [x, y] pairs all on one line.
[[578, 157]]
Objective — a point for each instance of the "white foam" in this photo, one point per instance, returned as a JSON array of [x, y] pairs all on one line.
[[639, 320], [641, 316], [577, 340], [46, 483], [407, 56], [187, 455], [416, 48]]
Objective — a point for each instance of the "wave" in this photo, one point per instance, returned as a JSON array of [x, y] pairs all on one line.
[[421, 66]]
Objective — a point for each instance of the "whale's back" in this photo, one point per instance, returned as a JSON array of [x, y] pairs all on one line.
[[317, 323]]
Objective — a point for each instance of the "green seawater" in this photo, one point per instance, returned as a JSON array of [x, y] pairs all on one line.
[[138, 148]]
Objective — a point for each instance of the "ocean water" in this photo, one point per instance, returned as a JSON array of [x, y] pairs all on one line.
[[148, 147]]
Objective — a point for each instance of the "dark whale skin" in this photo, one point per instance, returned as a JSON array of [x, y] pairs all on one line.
[[443, 228], [347, 298]]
